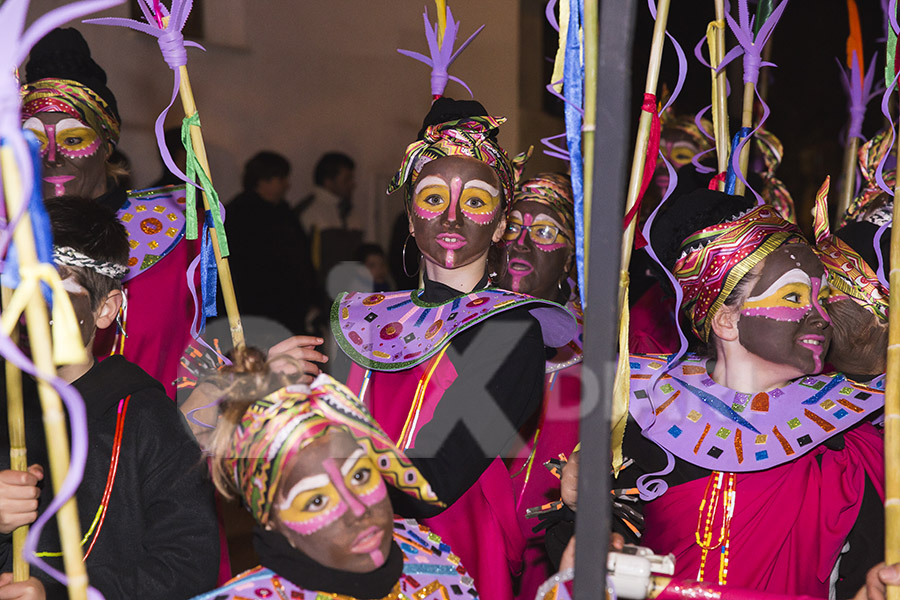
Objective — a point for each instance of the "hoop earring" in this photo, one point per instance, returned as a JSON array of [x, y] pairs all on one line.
[[405, 270]]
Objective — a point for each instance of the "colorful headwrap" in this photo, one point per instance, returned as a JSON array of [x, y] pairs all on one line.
[[553, 190], [871, 155], [848, 272], [273, 430], [716, 258], [470, 136], [686, 125], [74, 99]]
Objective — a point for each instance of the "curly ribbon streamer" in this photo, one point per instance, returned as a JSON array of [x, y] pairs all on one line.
[[710, 39], [172, 45], [882, 277], [733, 170], [440, 47]]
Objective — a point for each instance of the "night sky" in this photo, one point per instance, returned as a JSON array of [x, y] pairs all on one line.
[[807, 100]]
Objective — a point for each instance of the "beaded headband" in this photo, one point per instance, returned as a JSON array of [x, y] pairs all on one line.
[[64, 255]]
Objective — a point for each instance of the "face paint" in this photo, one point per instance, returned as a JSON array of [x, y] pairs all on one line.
[[81, 304], [455, 208], [73, 155], [534, 226], [783, 319], [336, 509]]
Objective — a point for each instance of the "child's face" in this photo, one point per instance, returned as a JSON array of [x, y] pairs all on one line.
[[81, 302]]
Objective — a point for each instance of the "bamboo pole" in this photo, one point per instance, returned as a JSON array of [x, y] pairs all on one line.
[[849, 187], [441, 6], [720, 100], [892, 409], [231, 307], [591, 33], [640, 149], [746, 121], [18, 459], [38, 325]]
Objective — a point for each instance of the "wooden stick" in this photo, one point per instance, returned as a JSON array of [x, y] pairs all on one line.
[[746, 121], [622, 379], [18, 459], [591, 29], [38, 325], [892, 410], [441, 6], [231, 307], [849, 188], [720, 100]]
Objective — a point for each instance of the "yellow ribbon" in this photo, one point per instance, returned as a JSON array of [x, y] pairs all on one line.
[[559, 63], [68, 348]]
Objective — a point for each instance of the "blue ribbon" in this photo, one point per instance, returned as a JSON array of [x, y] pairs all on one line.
[[573, 89], [730, 175], [209, 274]]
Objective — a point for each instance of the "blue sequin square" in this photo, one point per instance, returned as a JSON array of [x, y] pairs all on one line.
[[634, 365], [674, 431], [762, 455], [840, 414]]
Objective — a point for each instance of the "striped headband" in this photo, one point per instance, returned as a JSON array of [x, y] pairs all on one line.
[[716, 258], [553, 190], [470, 136], [273, 430], [848, 272], [74, 99], [70, 257]]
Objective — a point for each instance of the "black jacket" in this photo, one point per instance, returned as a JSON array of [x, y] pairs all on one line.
[[160, 536]]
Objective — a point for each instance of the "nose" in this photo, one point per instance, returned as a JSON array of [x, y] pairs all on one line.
[[356, 507], [455, 193], [51, 158]]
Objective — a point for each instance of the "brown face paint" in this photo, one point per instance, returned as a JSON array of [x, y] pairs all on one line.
[[455, 209], [537, 257], [332, 505], [783, 319], [74, 162]]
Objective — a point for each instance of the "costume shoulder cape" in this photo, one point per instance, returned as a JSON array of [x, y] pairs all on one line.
[[393, 331], [717, 428], [430, 570], [154, 221]]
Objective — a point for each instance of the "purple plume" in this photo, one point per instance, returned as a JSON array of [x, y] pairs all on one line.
[[442, 55], [859, 93]]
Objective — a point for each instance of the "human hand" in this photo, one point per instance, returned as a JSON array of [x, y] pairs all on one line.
[[18, 497], [568, 481], [877, 580], [30, 589], [295, 352]]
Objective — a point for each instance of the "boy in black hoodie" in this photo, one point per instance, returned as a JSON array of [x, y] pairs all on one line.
[[156, 536]]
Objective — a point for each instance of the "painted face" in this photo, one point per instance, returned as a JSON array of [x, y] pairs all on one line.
[[679, 148], [81, 303], [537, 250], [783, 319], [332, 505], [74, 155], [456, 210]]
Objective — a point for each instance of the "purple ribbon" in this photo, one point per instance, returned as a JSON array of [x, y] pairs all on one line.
[[885, 110], [172, 45], [442, 54], [877, 243], [698, 119]]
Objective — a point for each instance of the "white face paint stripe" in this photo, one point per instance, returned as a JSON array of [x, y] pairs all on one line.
[[482, 185], [69, 124], [429, 180], [792, 276], [351, 461], [305, 484]]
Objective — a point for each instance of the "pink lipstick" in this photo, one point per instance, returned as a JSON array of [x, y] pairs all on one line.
[[368, 541], [58, 182], [451, 241], [816, 345]]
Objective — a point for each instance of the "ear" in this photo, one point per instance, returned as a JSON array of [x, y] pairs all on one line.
[[725, 323], [412, 230], [499, 230], [106, 314]]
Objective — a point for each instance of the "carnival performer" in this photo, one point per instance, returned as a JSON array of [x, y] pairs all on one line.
[[452, 371], [68, 106], [145, 506], [313, 468], [540, 245], [755, 471]]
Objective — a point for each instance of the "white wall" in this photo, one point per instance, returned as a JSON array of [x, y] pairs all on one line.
[[305, 77]]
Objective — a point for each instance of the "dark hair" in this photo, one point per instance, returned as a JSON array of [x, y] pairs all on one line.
[[367, 250], [264, 165], [859, 344], [93, 230], [330, 164]]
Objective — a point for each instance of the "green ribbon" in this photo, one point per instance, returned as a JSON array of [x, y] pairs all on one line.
[[193, 171], [763, 11], [889, 72]]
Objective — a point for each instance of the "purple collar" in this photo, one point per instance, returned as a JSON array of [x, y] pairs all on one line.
[[393, 331], [154, 220], [717, 428]]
